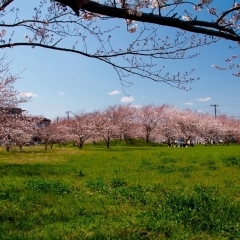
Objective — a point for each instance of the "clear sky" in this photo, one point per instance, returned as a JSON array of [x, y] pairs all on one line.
[[61, 82]]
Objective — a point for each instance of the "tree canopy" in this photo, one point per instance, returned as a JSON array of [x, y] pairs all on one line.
[[77, 26]]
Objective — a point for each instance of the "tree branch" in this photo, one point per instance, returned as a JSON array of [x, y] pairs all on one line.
[[226, 13], [5, 4], [196, 26], [203, 27], [140, 70]]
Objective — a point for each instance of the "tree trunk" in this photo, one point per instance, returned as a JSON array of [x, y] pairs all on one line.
[[46, 144], [147, 137]]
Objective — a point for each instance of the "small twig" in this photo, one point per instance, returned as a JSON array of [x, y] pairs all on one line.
[[56, 42], [227, 12]]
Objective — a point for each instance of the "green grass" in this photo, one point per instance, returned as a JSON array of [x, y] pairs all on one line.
[[125, 192]]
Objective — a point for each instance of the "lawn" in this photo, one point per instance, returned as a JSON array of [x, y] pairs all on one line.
[[124, 192]]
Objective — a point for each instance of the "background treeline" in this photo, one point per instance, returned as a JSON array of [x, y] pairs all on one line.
[[162, 124]]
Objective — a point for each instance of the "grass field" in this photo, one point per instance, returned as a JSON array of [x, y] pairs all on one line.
[[120, 193]]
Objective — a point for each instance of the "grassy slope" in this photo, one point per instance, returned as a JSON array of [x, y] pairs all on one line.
[[120, 193]]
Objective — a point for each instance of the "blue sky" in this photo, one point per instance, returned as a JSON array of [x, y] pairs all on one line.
[[61, 82]]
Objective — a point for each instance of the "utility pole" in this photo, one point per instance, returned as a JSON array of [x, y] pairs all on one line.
[[68, 112], [215, 108]]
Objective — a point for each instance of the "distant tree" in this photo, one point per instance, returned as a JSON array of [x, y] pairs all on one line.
[[81, 126], [230, 129], [81, 22], [17, 131], [211, 129], [187, 122], [149, 117], [15, 127], [126, 121], [168, 130], [45, 135], [107, 124]]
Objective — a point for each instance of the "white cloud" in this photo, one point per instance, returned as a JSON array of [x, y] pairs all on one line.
[[203, 99], [61, 93], [29, 94], [115, 92], [189, 103], [199, 111], [127, 99]]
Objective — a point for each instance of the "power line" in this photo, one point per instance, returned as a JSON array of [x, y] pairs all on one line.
[[229, 105]]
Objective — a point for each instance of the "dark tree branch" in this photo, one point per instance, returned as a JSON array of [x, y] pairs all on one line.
[[5, 4], [196, 26], [142, 71]]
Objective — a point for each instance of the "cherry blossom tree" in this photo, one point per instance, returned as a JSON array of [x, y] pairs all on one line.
[[187, 124], [59, 130], [81, 23], [230, 129], [127, 122], [107, 125], [81, 127], [43, 134], [210, 129], [16, 129], [148, 117], [168, 129]]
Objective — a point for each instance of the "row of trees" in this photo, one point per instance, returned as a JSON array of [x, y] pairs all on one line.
[[162, 123], [153, 123]]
